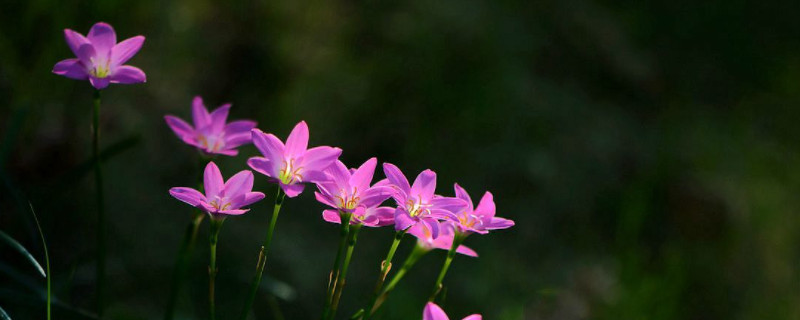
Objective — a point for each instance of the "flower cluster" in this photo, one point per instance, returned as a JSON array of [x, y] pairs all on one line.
[[353, 200]]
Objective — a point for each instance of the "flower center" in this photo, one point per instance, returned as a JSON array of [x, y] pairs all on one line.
[[220, 203], [290, 174], [100, 70], [211, 143], [416, 207], [468, 220], [348, 201]]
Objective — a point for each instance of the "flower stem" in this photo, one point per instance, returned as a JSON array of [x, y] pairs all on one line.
[[101, 219], [386, 266], [262, 255], [334, 275], [437, 287], [182, 263], [213, 235], [351, 243], [412, 258]]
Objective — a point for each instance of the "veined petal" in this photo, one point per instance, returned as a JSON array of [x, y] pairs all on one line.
[[71, 68], [200, 115], [433, 312], [262, 166], [239, 184], [396, 177], [340, 175], [454, 205], [315, 176], [182, 129], [212, 180], [324, 199], [125, 50], [363, 175], [103, 38], [188, 195], [424, 185], [297, 142], [219, 116], [463, 195], [319, 158], [246, 199], [442, 214], [496, 223], [486, 207], [74, 40], [375, 196], [99, 83], [128, 75], [270, 146], [293, 190]]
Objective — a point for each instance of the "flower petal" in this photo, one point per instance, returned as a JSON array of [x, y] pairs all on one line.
[[200, 115], [239, 184], [270, 146], [128, 75], [385, 215], [433, 312], [402, 220], [87, 54], [319, 158], [99, 83], [454, 205], [293, 190], [297, 142], [463, 195], [125, 50], [425, 185], [219, 116], [432, 225], [363, 175], [188, 195], [182, 129], [486, 207], [103, 38], [74, 40], [246, 199], [331, 216], [496, 223], [340, 175], [233, 212], [324, 199], [71, 68], [212, 180], [314, 176], [262, 166], [375, 196], [474, 316], [396, 177]]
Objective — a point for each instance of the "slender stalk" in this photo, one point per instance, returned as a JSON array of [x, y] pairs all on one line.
[[216, 225], [334, 275], [351, 243], [101, 219], [46, 259], [386, 266], [182, 263], [412, 258], [262, 255], [457, 240]]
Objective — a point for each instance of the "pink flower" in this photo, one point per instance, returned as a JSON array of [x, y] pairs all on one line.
[[480, 219], [292, 164], [210, 133], [350, 191], [444, 241], [100, 58], [434, 312], [222, 198], [417, 203]]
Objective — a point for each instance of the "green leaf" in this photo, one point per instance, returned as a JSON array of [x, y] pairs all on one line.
[[4, 315], [17, 246]]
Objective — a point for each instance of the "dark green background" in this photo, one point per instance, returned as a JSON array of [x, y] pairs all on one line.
[[647, 151]]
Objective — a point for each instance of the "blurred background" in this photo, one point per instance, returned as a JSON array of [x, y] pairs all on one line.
[[645, 149]]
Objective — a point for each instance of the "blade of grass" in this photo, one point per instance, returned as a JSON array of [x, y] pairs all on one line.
[[17, 246], [4, 315], [46, 258]]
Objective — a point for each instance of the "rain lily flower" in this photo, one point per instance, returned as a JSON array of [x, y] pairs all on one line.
[[222, 198], [480, 219], [292, 164], [350, 191], [417, 203], [434, 312], [100, 58], [210, 134], [444, 241]]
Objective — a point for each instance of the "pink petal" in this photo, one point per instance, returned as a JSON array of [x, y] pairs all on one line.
[[375, 196], [246, 199], [340, 174], [219, 116], [183, 130], [270, 146], [424, 185], [385, 215], [496, 223], [486, 206], [331, 216], [233, 212], [433, 312], [396, 177], [463, 195], [262, 166], [319, 158], [432, 225], [99, 83], [103, 38], [212, 180], [239, 184], [315, 176], [454, 205], [200, 115], [125, 50], [474, 316], [87, 54], [188, 195], [293, 190], [74, 40], [324, 199], [128, 75], [363, 175], [71, 68], [402, 220], [297, 143]]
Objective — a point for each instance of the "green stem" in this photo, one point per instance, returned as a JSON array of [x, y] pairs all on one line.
[[46, 259], [262, 255], [101, 219], [334, 275], [213, 235], [386, 266], [182, 263], [457, 240], [351, 243], [412, 258]]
